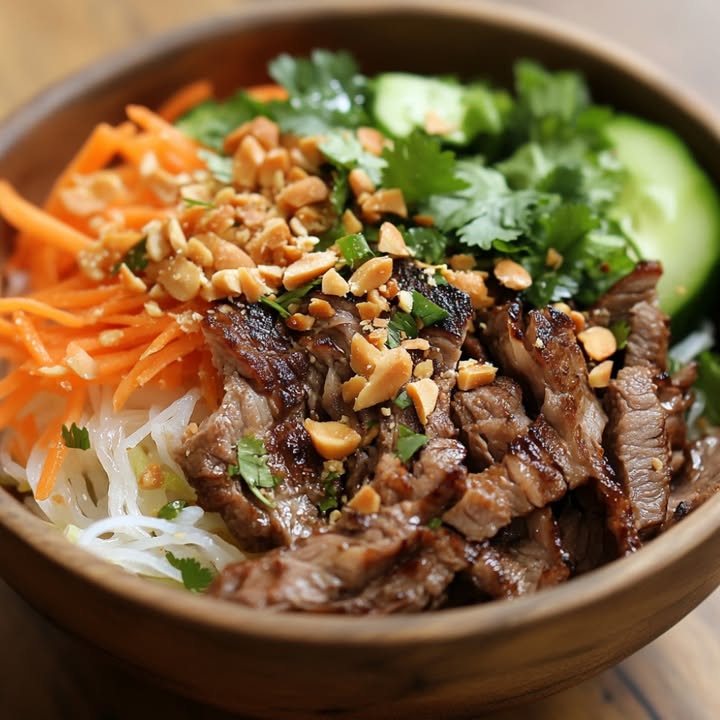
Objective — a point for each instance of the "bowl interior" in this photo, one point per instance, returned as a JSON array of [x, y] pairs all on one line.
[[470, 40]]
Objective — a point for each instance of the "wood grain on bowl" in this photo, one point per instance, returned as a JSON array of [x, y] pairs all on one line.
[[458, 661]]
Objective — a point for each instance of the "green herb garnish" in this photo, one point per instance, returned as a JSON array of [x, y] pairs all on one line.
[[195, 577], [171, 510], [330, 501], [192, 202], [403, 400], [408, 442], [76, 437], [708, 384], [354, 249], [426, 310], [135, 258], [402, 325], [252, 467], [621, 331], [420, 167], [435, 523]]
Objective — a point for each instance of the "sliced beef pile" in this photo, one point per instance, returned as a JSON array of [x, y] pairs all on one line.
[[520, 482]]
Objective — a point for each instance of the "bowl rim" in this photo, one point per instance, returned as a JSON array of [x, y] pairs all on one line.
[[326, 630]]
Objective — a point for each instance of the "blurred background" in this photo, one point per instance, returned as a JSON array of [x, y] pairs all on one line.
[[44, 674]]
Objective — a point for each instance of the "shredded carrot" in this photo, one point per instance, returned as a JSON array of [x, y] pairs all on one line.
[[35, 307], [28, 218], [266, 93], [210, 385], [149, 366], [185, 99], [58, 450], [31, 339]]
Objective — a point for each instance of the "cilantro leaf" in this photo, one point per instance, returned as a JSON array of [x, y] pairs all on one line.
[[354, 249], [402, 325], [426, 243], [426, 310], [408, 442], [171, 510], [252, 467], [435, 523], [76, 437], [486, 211], [284, 313], [135, 258], [195, 577], [192, 202], [211, 121], [708, 383], [420, 168], [331, 500], [326, 92], [343, 149], [403, 400], [621, 331]]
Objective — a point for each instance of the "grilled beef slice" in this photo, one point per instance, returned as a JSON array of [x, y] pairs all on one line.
[[638, 286], [698, 480], [265, 396], [490, 418], [637, 442], [382, 562]]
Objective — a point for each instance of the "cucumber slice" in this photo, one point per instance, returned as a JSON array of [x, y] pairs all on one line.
[[404, 102], [669, 208]]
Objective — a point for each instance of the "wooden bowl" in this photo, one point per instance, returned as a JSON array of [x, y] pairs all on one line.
[[452, 662]]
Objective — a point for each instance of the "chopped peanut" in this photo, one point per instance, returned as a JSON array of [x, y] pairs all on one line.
[[462, 262], [424, 220], [378, 338], [599, 342], [473, 283], [246, 162], [391, 241], [366, 501], [300, 322], [599, 376], [368, 310], [225, 255], [275, 234], [274, 168], [388, 200], [364, 356], [372, 140], [271, 274], [199, 253], [252, 284], [352, 387], [131, 281], [579, 319], [405, 301], [392, 370], [424, 394], [307, 268], [333, 283], [370, 275], [351, 223], [306, 191], [226, 283], [423, 369], [332, 440], [416, 344], [473, 374], [512, 275], [360, 182], [175, 235], [180, 277], [321, 308]]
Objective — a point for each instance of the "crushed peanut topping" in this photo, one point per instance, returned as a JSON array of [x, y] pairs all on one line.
[[473, 374], [332, 440], [512, 275], [366, 501], [424, 394], [599, 342]]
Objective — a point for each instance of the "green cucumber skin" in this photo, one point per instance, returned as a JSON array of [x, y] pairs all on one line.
[[402, 101], [674, 208]]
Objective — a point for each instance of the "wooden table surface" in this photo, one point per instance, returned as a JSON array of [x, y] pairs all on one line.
[[47, 675]]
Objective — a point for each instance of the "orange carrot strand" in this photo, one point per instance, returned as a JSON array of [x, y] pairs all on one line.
[[185, 99]]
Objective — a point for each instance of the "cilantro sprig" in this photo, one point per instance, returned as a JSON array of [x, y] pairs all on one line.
[[76, 437], [172, 509], [408, 442], [195, 576], [253, 468], [136, 258]]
